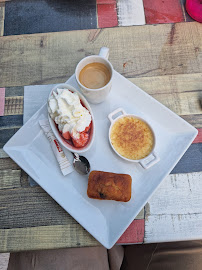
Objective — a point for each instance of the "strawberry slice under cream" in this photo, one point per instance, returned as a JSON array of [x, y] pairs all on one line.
[[72, 118]]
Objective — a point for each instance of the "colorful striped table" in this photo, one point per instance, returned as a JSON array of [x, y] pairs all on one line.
[[28, 17], [162, 57]]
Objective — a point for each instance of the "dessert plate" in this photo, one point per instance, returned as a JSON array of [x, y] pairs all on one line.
[[105, 220]]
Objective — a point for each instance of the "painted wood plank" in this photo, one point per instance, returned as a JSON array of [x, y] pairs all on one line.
[[159, 11], [159, 50], [184, 196], [3, 154], [141, 214], [175, 210], [4, 258], [2, 17], [14, 91], [2, 101], [198, 139], [24, 179], [11, 169], [181, 103], [30, 207], [51, 16], [107, 15], [191, 160], [171, 228], [9, 179], [134, 233], [168, 84], [194, 119], [180, 93], [130, 12], [6, 134], [11, 121], [8, 163], [13, 105], [45, 237], [103, 2]]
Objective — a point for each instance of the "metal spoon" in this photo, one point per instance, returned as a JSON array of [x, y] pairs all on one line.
[[81, 164]]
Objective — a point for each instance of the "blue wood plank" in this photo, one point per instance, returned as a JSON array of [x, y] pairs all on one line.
[[31, 16], [191, 161], [6, 134], [14, 91], [11, 121]]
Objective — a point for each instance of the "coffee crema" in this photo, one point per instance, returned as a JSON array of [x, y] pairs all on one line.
[[94, 75], [132, 138]]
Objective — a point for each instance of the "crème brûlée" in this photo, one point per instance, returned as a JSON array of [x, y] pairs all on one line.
[[132, 138]]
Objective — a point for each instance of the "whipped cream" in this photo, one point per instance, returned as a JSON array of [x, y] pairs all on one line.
[[67, 111]]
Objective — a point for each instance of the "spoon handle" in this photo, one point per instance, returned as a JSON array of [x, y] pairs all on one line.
[[75, 155]]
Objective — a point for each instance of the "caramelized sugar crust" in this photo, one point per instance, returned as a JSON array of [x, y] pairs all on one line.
[[132, 138]]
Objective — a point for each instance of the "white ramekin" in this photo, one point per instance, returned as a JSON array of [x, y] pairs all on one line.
[[149, 160]]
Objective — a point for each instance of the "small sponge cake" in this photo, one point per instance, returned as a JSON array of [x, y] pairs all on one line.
[[109, 186]]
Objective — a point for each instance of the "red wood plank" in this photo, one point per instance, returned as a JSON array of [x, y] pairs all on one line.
[[99, 2], [198, 138], [163, 11], [134, 233], [107, 15], [2, 101]]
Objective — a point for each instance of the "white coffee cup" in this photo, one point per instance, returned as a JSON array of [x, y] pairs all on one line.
[[95, 95]]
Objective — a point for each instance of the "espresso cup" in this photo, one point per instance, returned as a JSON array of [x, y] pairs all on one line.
[[94, 76]]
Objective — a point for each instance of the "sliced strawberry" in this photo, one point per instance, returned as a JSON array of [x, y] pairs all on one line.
[[66, 135], [81, 141], [87, 128]]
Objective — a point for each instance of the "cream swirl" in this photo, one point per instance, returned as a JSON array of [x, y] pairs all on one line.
[[66, 110]]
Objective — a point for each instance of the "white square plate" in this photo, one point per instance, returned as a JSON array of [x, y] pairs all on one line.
[[105, 220]]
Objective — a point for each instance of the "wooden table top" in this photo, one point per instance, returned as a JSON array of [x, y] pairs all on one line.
[[165, 60]]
